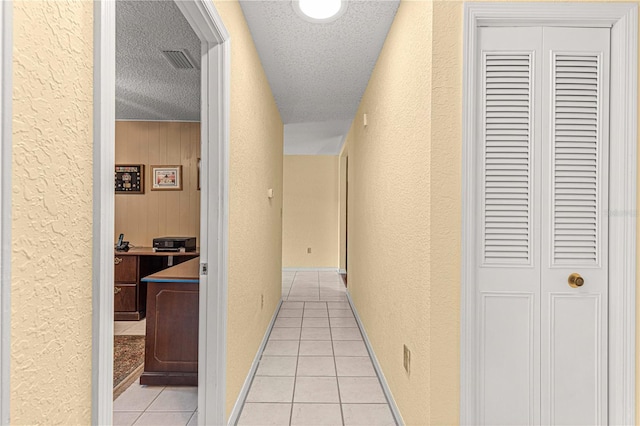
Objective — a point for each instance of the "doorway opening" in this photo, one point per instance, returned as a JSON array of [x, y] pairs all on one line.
[[214, 96]]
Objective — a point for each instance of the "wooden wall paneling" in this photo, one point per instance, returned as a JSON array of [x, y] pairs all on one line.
[[153, 197], [173, 197], [163, 141], [158, 213]]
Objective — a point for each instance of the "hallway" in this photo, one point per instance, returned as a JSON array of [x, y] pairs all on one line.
[[315, 369]]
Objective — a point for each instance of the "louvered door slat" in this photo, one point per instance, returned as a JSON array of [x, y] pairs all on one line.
[[507, 105], [576, 155]]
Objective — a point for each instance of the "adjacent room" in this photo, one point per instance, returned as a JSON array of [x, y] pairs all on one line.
[[157, 214]]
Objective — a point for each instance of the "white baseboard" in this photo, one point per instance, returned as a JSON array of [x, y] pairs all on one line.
[[342, 271], [324, 269], [237, 408], [376, 366]]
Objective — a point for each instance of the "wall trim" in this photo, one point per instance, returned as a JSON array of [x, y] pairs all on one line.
[[323, 269], [158, 121], [242, 396], [6, 98], [342, 271], [215, 107], [376, 365], [622, 18]]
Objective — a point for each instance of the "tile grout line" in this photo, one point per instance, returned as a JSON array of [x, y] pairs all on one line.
[[295, 375], [335, 364]]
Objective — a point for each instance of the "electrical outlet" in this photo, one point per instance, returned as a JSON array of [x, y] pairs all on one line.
[[261, 301], [407, 359], [309, 250]]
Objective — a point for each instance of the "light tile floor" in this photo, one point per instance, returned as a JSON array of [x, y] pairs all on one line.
[[153, 405], [315, 369]]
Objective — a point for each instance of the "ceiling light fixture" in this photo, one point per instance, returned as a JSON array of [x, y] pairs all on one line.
[[320, 11]]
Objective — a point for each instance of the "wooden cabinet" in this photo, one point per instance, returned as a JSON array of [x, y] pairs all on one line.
[[171, 342], [130, 292]]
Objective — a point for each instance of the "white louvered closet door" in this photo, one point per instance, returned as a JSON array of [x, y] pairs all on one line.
[[574, 226], [542, 154]]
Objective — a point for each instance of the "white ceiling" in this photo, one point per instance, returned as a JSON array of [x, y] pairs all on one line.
[[317, 72], [148, 87]]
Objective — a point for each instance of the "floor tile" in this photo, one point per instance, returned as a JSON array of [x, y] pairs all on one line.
[[349, 348], [316, 389], [360, 366], [159, 418], [292, 305], [277, 366], [290, 313], [332, 291], [284, 333], [125, 418], [271, 389], [176, 398], [316, 313], [343, 322], [137, 398], [119, 327], [333, 299], [343, 333], [316, 415], [315, 305], [315, 322], [316, 348], [338, 305], [367, 415], [340, 313], [315, 333], [281, 348], [193, 421], [288, 322], [361, 390], [258, 414], [303, 299], [316, 366]]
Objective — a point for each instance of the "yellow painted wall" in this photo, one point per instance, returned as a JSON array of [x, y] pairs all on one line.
[[342, 190], [143, 217], [310, 211], [50, 379], [255, 224], [390, 211], [425, 306]]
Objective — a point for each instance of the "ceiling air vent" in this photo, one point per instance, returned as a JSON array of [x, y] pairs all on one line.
[[179, 59]]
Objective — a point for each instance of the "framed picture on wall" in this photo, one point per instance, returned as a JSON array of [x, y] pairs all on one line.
[[129, 178], [166, 178]]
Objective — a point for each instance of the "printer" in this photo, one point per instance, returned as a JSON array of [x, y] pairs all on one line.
[[174, 244]]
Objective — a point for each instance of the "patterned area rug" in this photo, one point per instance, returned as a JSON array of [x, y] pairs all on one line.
[[128, 361]]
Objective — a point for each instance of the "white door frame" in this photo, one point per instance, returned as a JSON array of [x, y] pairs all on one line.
[[6, 97], [215, 105], [622, 19]]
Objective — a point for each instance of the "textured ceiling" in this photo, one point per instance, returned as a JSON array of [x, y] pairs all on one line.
[[318, 72], [148, 87]]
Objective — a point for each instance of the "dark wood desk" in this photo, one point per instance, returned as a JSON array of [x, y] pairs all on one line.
[[171, 340], [130, 293]]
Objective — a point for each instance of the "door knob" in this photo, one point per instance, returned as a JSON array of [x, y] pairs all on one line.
[[575, 280]]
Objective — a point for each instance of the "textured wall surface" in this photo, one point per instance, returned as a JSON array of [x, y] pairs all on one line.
[[389, 209], [52, 213], [310, 211], [159, 213], [342, 190], [255, 222]]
